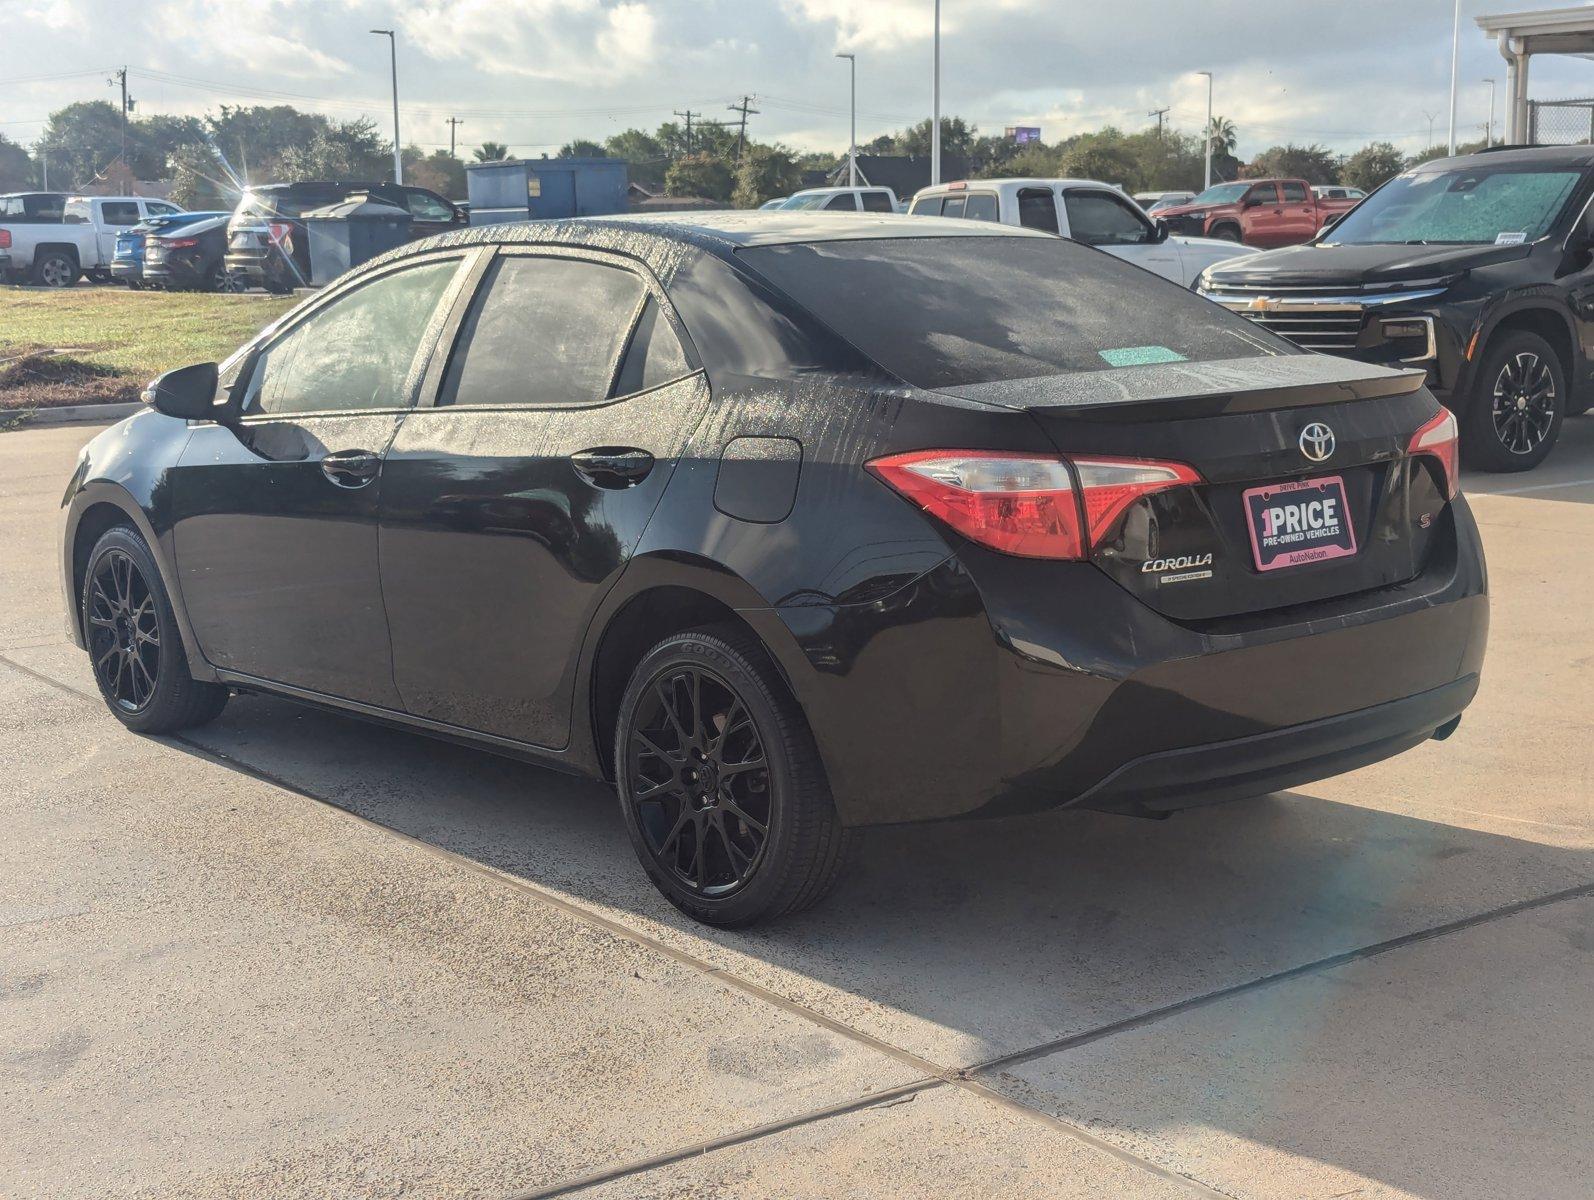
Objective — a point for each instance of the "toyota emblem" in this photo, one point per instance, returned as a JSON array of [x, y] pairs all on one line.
[[1317, 442]]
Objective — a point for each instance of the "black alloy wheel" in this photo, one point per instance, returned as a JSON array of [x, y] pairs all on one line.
[[124, 632], [1517, 405], [720, 783], [700, 781], [133, 642]]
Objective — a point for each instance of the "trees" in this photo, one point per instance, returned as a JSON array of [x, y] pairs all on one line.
[[1102, 156], [699, 175], [81, 140], [342, 150], [644, 155], [16, 166], [491, 152], [198, 181], [1315, 164], [440, 171], [764, 173], [580, 148], [253, 139], [1371, 166]]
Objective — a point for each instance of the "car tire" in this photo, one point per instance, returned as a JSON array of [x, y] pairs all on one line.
[[135, 649], [223, 280], [1512, 419], [56, 269], [1225, 233], [278, 289], [701, 707]]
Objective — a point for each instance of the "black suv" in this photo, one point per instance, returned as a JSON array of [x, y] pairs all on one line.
[[266, 242], [1478, 270]]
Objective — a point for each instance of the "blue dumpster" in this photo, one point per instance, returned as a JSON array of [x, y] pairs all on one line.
[[519, 189]]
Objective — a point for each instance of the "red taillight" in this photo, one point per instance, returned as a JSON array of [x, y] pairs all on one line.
[[5, 239], [180, 243], [1440, 438], [1025, 504]]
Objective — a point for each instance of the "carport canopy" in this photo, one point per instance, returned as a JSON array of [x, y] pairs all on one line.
[[1521, 35]]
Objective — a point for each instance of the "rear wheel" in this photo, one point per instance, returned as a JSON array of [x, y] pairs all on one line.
[[720, 782], [55, 268], [133, 642], [1517, 404]]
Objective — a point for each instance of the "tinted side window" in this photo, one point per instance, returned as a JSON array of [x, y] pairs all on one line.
[[877, 202], [424, 206], [954, 206], [981, 206], [654, 356], [926, 206], [356, 353], [543, 333], [119, 212], [1263, 193], [845, 202], [159, 208], [1037, 209], [1295, 193], [1102, 219]]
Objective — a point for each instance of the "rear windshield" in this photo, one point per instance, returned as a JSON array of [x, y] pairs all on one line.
[[943, 311], [289, 202]]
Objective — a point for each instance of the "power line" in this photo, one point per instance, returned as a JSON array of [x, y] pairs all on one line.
[[746, 109], [1159, 113], [453, 127]]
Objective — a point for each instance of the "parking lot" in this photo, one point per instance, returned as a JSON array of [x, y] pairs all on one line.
[[295, 955]]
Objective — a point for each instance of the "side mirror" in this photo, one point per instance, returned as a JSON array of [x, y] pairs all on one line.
[[1159, 230], [189, 393]]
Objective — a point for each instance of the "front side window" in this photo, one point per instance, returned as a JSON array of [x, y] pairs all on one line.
[[1263, 193], [877, 202], [842, 203], [1102, 219], [543, 333], [356, 352], [1506, 205], [155, 206], [1294, 193], [1037, 209], [983, 308], [424, 206]]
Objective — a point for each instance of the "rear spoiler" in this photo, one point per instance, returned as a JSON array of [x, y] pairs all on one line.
[[1167, 391]]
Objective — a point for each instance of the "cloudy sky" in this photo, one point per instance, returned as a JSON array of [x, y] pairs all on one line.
[[535, 73]]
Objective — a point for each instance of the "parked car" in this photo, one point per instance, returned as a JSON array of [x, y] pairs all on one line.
[[1475, 270], [83, 242], [1048, 531], [1152, 201], [1097, 214], [1257, 212], [845, 199], [192, 258], [1338, 193], [777, 202], [127, 263], [267, 244]]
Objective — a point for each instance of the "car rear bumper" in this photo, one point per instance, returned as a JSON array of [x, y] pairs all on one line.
[[126, 270], [995, 685]]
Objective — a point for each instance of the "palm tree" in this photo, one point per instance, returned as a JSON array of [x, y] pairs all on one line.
[[492, 152], [1223, 136]]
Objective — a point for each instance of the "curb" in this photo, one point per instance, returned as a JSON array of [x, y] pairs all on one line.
[[69, 414]]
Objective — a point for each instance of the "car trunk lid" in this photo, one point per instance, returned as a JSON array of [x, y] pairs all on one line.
[[1270, 526]]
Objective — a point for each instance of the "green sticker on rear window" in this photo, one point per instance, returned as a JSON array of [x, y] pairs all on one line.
[[1139, 356]]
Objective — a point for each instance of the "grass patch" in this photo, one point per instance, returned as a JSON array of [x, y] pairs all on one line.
[[116, 339]]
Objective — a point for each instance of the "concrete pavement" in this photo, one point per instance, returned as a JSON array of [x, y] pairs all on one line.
[[291, 954]]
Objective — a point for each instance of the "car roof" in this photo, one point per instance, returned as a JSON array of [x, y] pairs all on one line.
[[962, 185], [827, 191], [1570, 156]]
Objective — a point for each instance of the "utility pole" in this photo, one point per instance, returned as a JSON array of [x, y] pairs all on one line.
[[398, 153], [1488, 130], [745, 108], [852, 150], [453, 126], [687, 117], [1158, 113], [1208, 175], [935, 103], [121, 77], [1455, 53], [1430, 117]]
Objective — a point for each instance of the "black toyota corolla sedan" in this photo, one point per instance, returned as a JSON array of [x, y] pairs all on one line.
[[791, 525]]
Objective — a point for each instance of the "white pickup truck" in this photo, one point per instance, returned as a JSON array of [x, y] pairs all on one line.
[[52, 239]]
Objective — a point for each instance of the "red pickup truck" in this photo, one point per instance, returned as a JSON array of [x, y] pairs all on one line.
[[1257, 212]]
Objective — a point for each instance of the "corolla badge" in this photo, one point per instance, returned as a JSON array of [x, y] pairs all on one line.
[[1317, 442]]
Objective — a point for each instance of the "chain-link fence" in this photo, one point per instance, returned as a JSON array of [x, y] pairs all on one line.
[[1560, 122]]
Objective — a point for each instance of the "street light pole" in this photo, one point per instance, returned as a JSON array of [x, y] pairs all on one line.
[[1488, 130], [1455, 51], [1207, 177], [935, 115], [852, 153], [398, 154]]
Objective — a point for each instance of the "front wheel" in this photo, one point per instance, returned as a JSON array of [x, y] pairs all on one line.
[[134, 644], [1225, 233], [1514, 415], [720, 783]]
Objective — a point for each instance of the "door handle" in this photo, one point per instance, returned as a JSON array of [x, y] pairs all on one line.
[[351, 468], [612, 466]]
